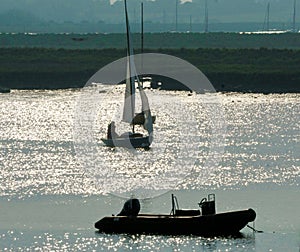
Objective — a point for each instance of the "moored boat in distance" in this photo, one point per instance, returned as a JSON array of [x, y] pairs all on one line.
[[4, 90], [203, 222]]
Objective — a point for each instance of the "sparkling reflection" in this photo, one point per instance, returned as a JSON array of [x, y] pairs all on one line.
[[37, 155]]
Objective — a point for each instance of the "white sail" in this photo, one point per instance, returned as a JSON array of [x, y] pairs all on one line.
[[129, 103], [148, 124]]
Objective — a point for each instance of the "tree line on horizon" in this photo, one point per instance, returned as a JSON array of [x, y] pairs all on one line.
[[57, 68]]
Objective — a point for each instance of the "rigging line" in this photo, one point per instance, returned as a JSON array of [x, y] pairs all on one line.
[[255, 230]]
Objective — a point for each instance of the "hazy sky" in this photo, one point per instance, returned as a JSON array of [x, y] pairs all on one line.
[[181, 1], [155, 11]]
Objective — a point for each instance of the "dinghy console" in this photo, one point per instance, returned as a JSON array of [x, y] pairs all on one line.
[[182, 212], [208, 205]]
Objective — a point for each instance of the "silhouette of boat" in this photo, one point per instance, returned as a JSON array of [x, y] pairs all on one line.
[[4, 90], [133, 139], [179, 222]]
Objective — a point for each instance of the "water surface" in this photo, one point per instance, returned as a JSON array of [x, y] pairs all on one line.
[[48, 199]]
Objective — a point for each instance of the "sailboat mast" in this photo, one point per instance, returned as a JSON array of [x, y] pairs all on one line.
[[142, 27], [294, 17], [266, 26], [129, 67], [176, 15], [142, 39], [206, 17], [268, 17], [127, 28]]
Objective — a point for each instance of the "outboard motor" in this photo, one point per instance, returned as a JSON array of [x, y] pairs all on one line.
[[208, 205], [131, 208]]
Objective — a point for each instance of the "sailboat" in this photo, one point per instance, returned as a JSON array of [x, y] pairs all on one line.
[[294, 17], [144, 118], [206, 17], [266, 26]]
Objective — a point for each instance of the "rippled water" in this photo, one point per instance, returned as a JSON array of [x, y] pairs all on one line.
[[48, 199]]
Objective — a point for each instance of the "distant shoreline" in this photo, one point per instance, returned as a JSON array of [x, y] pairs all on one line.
[[259, 69], [166, 40]]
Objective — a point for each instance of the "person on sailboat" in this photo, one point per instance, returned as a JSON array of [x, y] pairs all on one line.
[[111, 131]]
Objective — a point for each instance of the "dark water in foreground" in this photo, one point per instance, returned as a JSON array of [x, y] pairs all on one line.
[[49, 202]]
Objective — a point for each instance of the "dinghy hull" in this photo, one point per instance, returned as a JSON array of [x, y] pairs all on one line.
[[222, 224]]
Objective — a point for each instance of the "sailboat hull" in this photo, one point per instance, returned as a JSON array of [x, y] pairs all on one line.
[[128, 142]]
